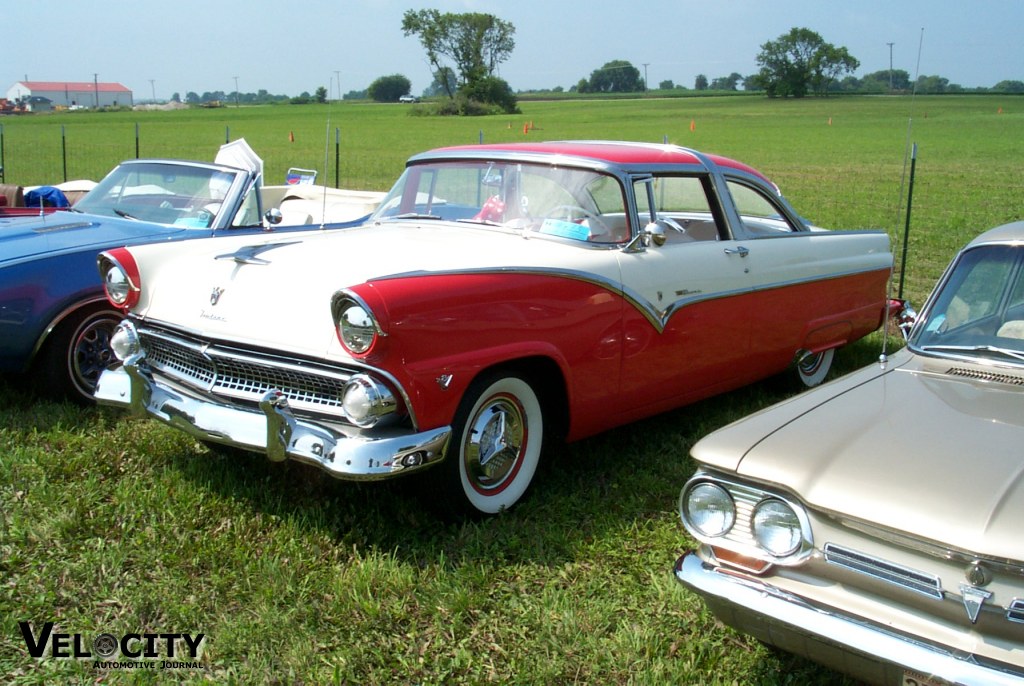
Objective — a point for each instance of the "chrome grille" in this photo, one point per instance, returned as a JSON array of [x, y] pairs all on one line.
[[910, 579], [1015, 613], [745, 499], [243, 375]]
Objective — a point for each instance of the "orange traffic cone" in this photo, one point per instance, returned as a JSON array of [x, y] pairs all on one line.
[[291, 136]]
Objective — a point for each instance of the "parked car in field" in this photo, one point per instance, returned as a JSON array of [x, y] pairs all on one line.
[[500, 295], [408, 99], [873, 523], [54, 319]]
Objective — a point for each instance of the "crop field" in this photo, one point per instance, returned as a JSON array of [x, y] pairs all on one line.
[[113, 525]]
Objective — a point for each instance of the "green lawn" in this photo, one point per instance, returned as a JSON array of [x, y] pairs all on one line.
[[114, 525]]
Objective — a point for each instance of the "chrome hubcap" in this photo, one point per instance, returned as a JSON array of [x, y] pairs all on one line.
[[495, 442]]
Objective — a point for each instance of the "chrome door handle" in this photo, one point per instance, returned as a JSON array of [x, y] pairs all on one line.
[[739, 250]]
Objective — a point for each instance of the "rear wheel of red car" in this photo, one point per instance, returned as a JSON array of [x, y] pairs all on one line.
[[497, 437], [812, 369], [77, 352]]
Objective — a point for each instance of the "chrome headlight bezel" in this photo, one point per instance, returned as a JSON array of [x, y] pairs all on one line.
[[356, 326], [117, 285], [777, 527], [707, 509]]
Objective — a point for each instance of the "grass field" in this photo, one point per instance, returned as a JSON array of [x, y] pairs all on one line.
[[112, 525]]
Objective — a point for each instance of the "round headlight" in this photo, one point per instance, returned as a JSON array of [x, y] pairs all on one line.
[[777, 527], [124, 342], [117, 286], [707, 508], [356, 328]]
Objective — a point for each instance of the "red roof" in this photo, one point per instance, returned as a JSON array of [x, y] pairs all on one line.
[[75, 86]]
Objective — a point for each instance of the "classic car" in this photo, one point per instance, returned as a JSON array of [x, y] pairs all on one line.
[[873, 523], [499, 295], [54, 318]]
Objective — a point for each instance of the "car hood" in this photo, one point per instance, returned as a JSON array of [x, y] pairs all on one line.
[[275, 292], [23, 238], [915, 448]]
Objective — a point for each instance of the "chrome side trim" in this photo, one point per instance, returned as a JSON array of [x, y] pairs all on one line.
[[828, 637], [877, 568], [658, 317]]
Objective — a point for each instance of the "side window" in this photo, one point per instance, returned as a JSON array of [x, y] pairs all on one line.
[[760, 215], [249, 213], [684, 201]]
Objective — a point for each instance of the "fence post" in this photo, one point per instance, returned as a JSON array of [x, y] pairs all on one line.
[[337, 156], [3, 179], [136, 140], [227, 135], [64, 151]]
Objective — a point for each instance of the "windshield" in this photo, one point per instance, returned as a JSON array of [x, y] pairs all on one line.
[[176, 194], [568, 203], [980, 310]]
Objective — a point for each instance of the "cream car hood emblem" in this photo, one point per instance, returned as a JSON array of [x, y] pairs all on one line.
[[974, 598], [215, 294]]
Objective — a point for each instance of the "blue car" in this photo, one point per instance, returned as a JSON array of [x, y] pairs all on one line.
[[54, 318]]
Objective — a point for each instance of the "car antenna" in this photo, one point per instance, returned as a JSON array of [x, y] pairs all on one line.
[[910, 152]]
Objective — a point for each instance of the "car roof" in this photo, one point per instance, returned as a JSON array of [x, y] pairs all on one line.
[[622, 153], [1007, 233]]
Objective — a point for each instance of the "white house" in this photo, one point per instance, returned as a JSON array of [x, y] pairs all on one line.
[[73, 93]]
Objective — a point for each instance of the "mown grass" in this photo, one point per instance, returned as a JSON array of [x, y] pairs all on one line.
[[110, 524]]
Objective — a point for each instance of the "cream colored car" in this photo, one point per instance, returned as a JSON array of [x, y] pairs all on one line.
[[874, 524]]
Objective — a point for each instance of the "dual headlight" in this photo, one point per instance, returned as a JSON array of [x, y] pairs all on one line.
[[761, 524]]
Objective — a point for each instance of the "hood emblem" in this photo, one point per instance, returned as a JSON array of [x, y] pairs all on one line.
[[215, 294], [249, 254], [974, 598]]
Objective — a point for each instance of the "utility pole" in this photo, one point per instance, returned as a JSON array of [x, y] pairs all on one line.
[[645, 76], [337, 79], [96, 89], [152, 86], [236, 91], [890, 66]]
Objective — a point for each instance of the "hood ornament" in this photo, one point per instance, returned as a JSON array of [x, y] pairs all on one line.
[[215, 294]]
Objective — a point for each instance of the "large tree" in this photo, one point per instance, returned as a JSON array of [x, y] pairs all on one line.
[[617, 76], [800, 61], [476, 43]]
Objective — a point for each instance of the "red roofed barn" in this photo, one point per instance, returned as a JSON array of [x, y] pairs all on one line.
[[70, 94]]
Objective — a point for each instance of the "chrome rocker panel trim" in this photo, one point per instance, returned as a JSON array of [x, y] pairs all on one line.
[[822, 635], [273, 429]]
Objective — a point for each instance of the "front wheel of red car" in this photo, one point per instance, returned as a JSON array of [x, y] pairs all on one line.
[[497, 437]]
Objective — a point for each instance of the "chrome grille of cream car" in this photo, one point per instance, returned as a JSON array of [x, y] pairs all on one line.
[[246, 376], [745, 499], [1015, 613], [910, 579]]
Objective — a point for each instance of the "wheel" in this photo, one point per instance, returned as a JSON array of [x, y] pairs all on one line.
[[813, 368], [77, 352], [497, 436]]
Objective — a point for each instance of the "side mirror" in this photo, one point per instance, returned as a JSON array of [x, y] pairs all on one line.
[[903, 316], [654, 233], [273, 217]]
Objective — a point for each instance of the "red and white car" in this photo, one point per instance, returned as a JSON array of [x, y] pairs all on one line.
[[500, 295]]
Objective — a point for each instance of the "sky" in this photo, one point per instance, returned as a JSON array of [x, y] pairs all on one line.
[[157, 48]]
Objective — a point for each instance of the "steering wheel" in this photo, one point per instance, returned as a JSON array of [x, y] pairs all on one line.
[[577, 214]]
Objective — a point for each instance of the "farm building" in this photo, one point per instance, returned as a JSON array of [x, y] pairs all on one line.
[[71, 93]]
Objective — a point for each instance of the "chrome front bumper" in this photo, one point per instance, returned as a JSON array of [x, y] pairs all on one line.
[[844, 643], [344, 452]]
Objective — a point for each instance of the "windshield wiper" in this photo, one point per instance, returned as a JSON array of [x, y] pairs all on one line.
[[1008, 352], [122, 213]]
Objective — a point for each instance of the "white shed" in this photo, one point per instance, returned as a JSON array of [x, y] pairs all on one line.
[[73, 93]]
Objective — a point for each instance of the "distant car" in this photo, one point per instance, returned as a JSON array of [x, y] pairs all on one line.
[[54, 319], [408, 98], [499, 294], [874, 524]]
